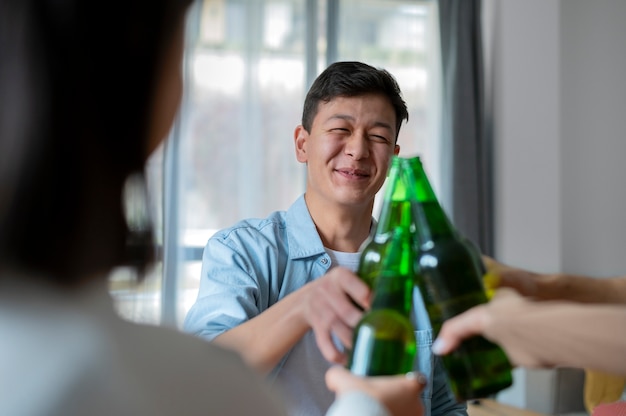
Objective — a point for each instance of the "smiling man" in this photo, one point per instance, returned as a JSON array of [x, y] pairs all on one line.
[[280, 290]]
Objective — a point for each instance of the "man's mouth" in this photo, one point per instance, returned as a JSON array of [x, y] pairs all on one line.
[[356, 173]]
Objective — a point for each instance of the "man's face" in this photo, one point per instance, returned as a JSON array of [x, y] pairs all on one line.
[[348, 149]]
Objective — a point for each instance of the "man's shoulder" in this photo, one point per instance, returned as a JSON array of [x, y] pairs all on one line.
[[291, 231], [273, 223]]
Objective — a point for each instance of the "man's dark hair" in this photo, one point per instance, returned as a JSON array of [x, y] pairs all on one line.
[[351, 79]]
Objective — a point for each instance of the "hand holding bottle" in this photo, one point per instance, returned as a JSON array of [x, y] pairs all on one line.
[[478, 320], [400, 394], [334, 304]]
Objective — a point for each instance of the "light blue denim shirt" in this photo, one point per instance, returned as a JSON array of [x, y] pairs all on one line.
[[252, 265]]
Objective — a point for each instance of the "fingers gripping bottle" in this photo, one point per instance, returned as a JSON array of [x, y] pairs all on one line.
[[450, 280], [384, 339]]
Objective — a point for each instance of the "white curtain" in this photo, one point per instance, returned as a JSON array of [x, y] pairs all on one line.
[[248, 66]]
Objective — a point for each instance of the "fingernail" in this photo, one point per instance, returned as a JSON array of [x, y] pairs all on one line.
[[438, 346]]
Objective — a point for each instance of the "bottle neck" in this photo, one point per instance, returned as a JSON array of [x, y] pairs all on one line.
[[396, 207], [394, 214], [432, 223]]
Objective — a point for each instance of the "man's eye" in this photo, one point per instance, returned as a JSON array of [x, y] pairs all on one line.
[[340, 131], [378, 139]]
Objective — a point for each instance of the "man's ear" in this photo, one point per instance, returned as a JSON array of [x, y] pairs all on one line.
[[396, 150], [300, 136]]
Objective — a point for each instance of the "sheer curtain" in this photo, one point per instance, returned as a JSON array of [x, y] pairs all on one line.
[[230, 156]]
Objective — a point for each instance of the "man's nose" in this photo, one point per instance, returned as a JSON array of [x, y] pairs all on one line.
[[357, 145]]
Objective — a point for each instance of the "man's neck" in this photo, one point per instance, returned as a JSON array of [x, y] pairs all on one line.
[[341, 228]]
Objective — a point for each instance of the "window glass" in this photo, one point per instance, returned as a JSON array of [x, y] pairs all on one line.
[[233, 155]]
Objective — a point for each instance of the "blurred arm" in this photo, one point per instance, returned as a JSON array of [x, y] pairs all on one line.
[[558, 286], [545, 334]]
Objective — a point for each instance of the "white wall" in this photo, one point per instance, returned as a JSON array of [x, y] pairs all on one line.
[[593, 125], [557, 70]]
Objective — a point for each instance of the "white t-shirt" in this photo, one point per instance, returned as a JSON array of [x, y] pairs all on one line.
[[341, 258]]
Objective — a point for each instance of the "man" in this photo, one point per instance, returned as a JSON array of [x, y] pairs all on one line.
[[282, 290]]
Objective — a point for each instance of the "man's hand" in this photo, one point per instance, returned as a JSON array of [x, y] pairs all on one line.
[[334, 304]]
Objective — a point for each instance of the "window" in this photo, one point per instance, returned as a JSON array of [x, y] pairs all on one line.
[[249, 64]]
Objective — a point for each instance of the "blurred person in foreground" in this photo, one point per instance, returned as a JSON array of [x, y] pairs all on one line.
[[547, 320], [89, 90]]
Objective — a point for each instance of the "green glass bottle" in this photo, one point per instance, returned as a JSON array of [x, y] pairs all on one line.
[[395, 212], [476, 254], [450, 280], [487, 278], [384, 339]]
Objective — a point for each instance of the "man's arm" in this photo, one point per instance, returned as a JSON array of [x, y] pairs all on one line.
[[263, 340], [227, 309], [324, 305]]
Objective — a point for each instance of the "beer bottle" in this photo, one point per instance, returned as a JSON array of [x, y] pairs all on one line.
[[395, 212], [450, 281], [384, 339], [489, 279], [476, 254]]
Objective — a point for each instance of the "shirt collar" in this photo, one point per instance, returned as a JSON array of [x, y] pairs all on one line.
[[304, 240]]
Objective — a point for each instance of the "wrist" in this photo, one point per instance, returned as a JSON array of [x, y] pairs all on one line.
[[548, 286]]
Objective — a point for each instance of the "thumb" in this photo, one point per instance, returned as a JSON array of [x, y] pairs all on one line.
[[458, 328]]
